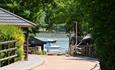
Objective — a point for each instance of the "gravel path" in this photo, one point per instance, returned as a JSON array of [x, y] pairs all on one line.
[[53, 62]]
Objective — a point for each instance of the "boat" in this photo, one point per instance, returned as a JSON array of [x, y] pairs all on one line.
[[52, 48]]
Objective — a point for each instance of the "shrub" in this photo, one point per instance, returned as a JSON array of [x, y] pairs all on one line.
[[13, 33], [40, 53]]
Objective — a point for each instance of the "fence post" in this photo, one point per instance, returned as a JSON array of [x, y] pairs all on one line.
[[26, 45]]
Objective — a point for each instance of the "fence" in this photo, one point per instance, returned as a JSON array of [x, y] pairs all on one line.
[[87, 50], [7, 52]]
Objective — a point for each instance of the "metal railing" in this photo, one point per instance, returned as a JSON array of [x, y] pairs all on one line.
[[7, 52]]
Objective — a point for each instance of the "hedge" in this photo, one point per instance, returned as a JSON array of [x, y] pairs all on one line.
[[8, 32]]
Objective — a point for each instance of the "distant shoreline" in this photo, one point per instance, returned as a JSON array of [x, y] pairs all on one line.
[[51, 32]]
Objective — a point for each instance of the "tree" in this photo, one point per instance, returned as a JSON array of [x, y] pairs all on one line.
[[100, 16], [32, 10], [45, 13], [103, 33]]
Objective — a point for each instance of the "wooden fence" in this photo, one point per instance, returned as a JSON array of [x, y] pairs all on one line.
[[7, 52]]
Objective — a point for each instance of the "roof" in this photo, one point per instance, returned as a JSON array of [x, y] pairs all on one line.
[[35, 42], [8, 18]]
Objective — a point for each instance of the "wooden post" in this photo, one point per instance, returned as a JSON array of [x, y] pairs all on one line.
[[26, 45], [69, 36]]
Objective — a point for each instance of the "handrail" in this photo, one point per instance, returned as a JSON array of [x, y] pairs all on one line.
[[5, 50], [5, 42], [8, 57]]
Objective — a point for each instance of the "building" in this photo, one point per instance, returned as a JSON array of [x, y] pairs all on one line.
[[9, 18]]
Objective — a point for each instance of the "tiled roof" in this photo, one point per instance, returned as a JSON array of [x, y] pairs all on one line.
[[8, 18]]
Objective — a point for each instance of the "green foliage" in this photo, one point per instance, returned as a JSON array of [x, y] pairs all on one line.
[[7, 53], [104, 33], [96, 16], [13, 33], [45, 13], [32, 10], [40, 52], [99, 14]]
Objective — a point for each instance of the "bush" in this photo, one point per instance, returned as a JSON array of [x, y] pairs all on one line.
[[100, 14], [13, 33], [104, 33], [40, 53]]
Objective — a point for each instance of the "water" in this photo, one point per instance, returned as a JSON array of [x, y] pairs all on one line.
[[61, 40]]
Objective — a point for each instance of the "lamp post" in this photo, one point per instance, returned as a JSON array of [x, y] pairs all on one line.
[[75, 30], [72, 38]]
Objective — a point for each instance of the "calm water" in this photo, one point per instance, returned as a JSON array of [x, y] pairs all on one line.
[[61, 39]]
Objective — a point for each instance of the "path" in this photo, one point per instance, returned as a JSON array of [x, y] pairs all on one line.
[[32, 61], [66, 63]]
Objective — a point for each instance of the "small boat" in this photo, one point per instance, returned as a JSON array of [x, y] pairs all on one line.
[[51, 48]]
